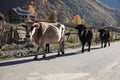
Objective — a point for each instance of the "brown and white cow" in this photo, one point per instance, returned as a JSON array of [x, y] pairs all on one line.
[[47, 33]]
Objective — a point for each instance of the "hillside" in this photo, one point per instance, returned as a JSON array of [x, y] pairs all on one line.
[[112, 3], [92, 11]]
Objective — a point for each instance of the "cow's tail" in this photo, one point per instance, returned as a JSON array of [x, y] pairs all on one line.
[[62, 33]]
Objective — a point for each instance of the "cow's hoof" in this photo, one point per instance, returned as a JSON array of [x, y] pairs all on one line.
[[48, 51], [104, 46], [58, 55], [63, 53], [44, 57], [88, 50], [35, 58], [82, 51]]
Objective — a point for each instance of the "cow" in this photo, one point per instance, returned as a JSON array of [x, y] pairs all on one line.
[[85, 36], [104, 37], [47, 33]]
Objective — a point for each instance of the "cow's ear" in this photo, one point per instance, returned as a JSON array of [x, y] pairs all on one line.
[[36, 25], [23, 25]]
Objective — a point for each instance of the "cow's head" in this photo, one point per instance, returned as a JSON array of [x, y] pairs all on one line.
[[103, 30], [31, 29], [27, 26], [80, 28], [36, 32]]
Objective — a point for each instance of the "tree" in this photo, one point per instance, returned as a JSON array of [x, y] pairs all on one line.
[[77, 20], [32, 9], [52, 17]]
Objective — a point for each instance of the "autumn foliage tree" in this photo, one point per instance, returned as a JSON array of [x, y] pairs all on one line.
[[77, 20], [32, 9]]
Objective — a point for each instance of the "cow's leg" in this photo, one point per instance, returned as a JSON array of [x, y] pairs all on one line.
[[44, 52], [101, 44], [89, 44], [108, 43], [62, 47], [83, 44], [47, 48], [105, 43], [36, 55], [58, 51], [38, 50], [0, 50], [48, 45]]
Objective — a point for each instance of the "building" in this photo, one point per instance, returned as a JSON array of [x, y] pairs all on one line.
[[18, 15]]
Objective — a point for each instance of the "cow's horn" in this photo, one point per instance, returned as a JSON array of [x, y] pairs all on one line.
[[36, 25]]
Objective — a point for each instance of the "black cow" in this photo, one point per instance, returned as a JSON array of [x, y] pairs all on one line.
[[104, 37], [85, 36]]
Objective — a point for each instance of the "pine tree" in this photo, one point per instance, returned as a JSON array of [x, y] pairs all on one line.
[[52, 17]]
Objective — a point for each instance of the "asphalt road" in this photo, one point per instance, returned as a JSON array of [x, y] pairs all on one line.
[[99, 64]]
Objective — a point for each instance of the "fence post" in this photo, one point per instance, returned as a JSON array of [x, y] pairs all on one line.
[[69, 34], [10, 36], [16, 37]]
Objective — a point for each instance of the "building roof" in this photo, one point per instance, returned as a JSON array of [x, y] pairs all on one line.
[[22, 12]]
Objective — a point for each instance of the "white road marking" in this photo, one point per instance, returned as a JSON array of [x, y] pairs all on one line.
[[104, 72], [60, 76], [113, 65]]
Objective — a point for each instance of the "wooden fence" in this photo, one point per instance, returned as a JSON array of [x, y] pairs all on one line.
[[18, 35], [71, 35]]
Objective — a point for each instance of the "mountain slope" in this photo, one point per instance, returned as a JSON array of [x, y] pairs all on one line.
[[92, 11]]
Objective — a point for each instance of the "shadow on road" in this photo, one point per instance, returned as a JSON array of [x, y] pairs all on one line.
[[15, 62], [95, 48], [66, 54], [9, 63]]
